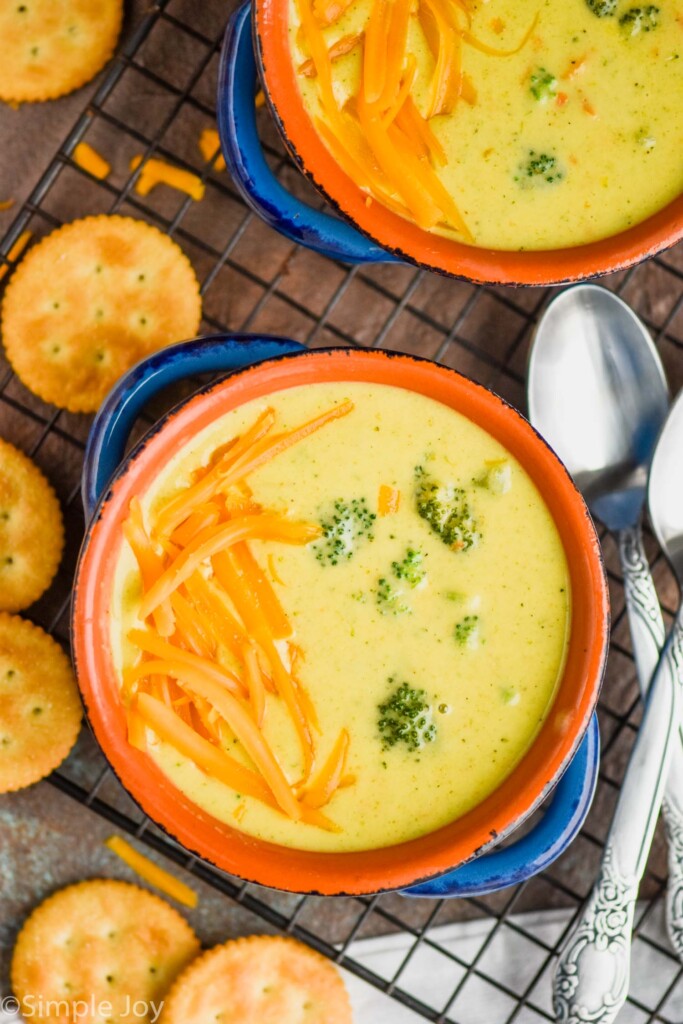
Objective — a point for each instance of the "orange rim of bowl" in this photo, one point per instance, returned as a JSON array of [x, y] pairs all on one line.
[[390, 867], [405, 239]]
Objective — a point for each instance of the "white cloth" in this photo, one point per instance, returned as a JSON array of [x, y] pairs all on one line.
[[510, 960]]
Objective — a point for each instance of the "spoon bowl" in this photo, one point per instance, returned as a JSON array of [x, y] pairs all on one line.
[[665, 489], [598, 394]]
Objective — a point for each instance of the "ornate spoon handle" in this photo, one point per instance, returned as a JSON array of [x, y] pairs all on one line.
[[592, 977], [673, 817], [644, 614], [647, 633], [591, 983]]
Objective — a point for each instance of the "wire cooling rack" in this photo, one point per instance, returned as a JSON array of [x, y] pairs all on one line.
[[154, 100]]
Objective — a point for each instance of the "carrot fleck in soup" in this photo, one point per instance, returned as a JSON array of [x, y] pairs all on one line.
[[536, 125], [340, 616]]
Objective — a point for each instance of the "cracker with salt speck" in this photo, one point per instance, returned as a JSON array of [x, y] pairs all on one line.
[[90, 301], [103, 944], [261, 978], [40, 710], [31, 531], [51, 47]]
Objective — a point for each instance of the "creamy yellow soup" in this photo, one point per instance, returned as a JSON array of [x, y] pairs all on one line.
[[576, 137], [477, 627]]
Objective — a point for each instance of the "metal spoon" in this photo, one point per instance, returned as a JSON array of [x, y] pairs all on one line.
[[597, 390], [593, 972], [598, 394]]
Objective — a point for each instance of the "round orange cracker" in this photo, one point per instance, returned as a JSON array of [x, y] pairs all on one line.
[[95, 943], [51, 47], [40, 710], [31, 531], [262, 978], [91, 300]]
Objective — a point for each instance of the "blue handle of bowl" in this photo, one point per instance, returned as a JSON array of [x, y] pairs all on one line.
[[112, 426], [538, 849], [244, 156]]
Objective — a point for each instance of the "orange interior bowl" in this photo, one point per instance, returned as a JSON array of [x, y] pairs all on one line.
[[405, 239], [395, 866]]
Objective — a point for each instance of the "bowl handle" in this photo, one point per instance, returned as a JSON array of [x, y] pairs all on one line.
[[111, 428], [536, 850], [256, 182]]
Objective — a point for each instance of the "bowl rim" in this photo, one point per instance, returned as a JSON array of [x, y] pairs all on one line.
[[408, 863], [404, 239]]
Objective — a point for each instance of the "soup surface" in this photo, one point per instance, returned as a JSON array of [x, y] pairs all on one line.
[[572, 136], [429, 618]]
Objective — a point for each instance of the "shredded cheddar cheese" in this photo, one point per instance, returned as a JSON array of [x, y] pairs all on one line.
[[379, 136], [181, 687], [328, 12], [157, 172], [151, 872], [209, 145], [91, 161], [16, 251], [339, 49]]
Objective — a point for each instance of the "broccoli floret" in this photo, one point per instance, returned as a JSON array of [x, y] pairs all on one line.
[[447, 510], [602, 8], [389, 599], [350, 522], [538, 167], [540, 163], [543, 85], [406, 717], [410, 569], [467, 631], [640, 19]]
